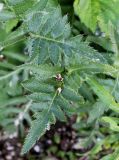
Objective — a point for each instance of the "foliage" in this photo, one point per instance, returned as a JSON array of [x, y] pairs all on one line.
[[97, 13], [61, 75]]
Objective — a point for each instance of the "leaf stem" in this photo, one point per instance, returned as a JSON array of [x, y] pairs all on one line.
[[12, 73], [52, 102], [96, 68], [47, 38]]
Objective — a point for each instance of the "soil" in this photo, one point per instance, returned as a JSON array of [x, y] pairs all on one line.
[[62, 137]]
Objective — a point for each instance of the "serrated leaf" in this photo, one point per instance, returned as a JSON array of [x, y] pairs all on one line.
[[112, 124], [103, 94], [13, 38], [40, 97], [12, 101], [38, 128], [58, 113], [44, 71], [88, 12], [97, 111], [95, 13], [93, 68], [34, 85], [71, 95], [21, 6], [55, 32], [36, 107], [65, 105], [56, 56], [42, 122]]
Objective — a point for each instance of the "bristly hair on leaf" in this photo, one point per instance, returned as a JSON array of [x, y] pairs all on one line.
[[63, 71]]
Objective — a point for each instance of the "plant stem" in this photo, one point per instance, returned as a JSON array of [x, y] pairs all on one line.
[[12, 73]]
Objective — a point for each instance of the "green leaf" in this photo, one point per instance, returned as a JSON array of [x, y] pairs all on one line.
[[58, 113], [38, 128], [97, 111], [103, 94], [112, 86], [40, 97], [14, 55], [51, 35], [9, 25], [39, 106], [52, 3], [6, 65], [112, 124], [71, 95], [42, 123], [65, 105], [93, 68], [35, 85], [95, 13], [13, 38], [88, 11], [6, 15], [112, 156], [43, 72], [12, 101], [61, 73], [21, 6], [111, 139], [38, 6]]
